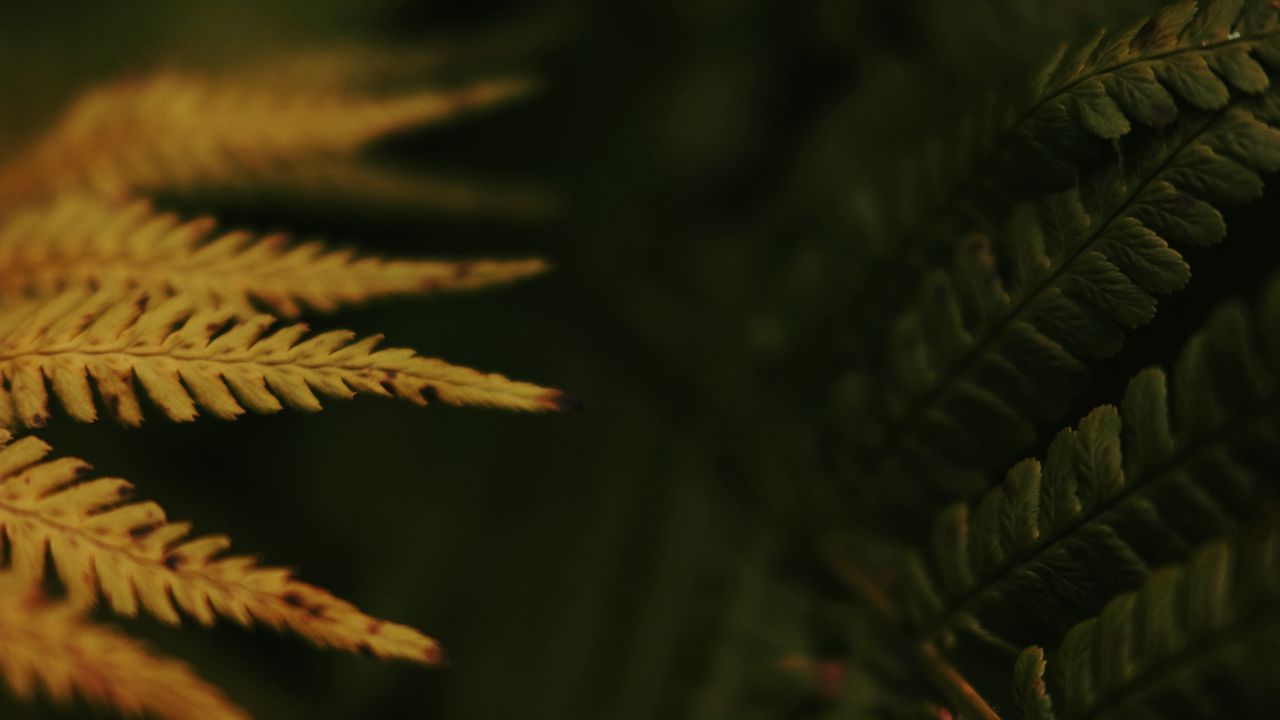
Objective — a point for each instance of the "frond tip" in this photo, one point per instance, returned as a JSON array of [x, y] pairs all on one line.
[[189, 360], [135, 557], [85, 242], [50, 644]]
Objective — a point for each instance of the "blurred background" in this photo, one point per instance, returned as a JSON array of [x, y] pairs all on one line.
[[633, 560]]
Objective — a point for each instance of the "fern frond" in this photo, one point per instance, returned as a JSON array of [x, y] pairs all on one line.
[[1187, 54], [995, 346], [101, 541], [87, 242], [182, 132], [51, 645], [1124, 491], [1191, 633], [189, 360]]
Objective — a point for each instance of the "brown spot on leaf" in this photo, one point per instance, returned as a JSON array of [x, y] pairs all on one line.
[[431, 393], [142, 531]]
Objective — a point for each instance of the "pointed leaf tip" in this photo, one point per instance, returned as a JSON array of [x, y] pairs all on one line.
[[564, 402], [435, 656]]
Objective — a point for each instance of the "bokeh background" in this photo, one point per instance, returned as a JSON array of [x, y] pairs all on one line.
[[620, 562]]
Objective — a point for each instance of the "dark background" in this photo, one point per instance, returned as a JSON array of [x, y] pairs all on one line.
[[604, 563]]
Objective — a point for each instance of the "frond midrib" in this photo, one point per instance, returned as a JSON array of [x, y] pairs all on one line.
[[193, 575], [189, 264], [188, 356]]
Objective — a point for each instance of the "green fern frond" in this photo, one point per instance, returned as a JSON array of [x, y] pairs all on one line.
[[996, 346], [86, 242], [1086, 99], [1192, 635], [1126, 490], [1186, 54], [189, 360]]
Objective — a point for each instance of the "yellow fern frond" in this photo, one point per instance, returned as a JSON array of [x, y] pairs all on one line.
[[82, 241], [180, 131], [190, 360], [130, 553], [51, 645]]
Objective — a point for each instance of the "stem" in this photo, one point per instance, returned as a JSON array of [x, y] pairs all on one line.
[[952, 684], [940, 673]]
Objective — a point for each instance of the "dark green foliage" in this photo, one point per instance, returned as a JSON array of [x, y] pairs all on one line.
[[1196, 639], [1103, 192], [1140, 75], [989, 352], [994, 347], [1184, 56], [1126, 490]]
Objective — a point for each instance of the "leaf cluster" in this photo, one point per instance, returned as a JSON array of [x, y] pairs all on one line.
[[1132, 557], [114, 308]]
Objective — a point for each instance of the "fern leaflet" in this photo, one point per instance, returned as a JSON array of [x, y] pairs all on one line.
[[87, 242], [137, 558], [1190, 631], [1188, 52], [188, 360], [978, 362], [183, 132]]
